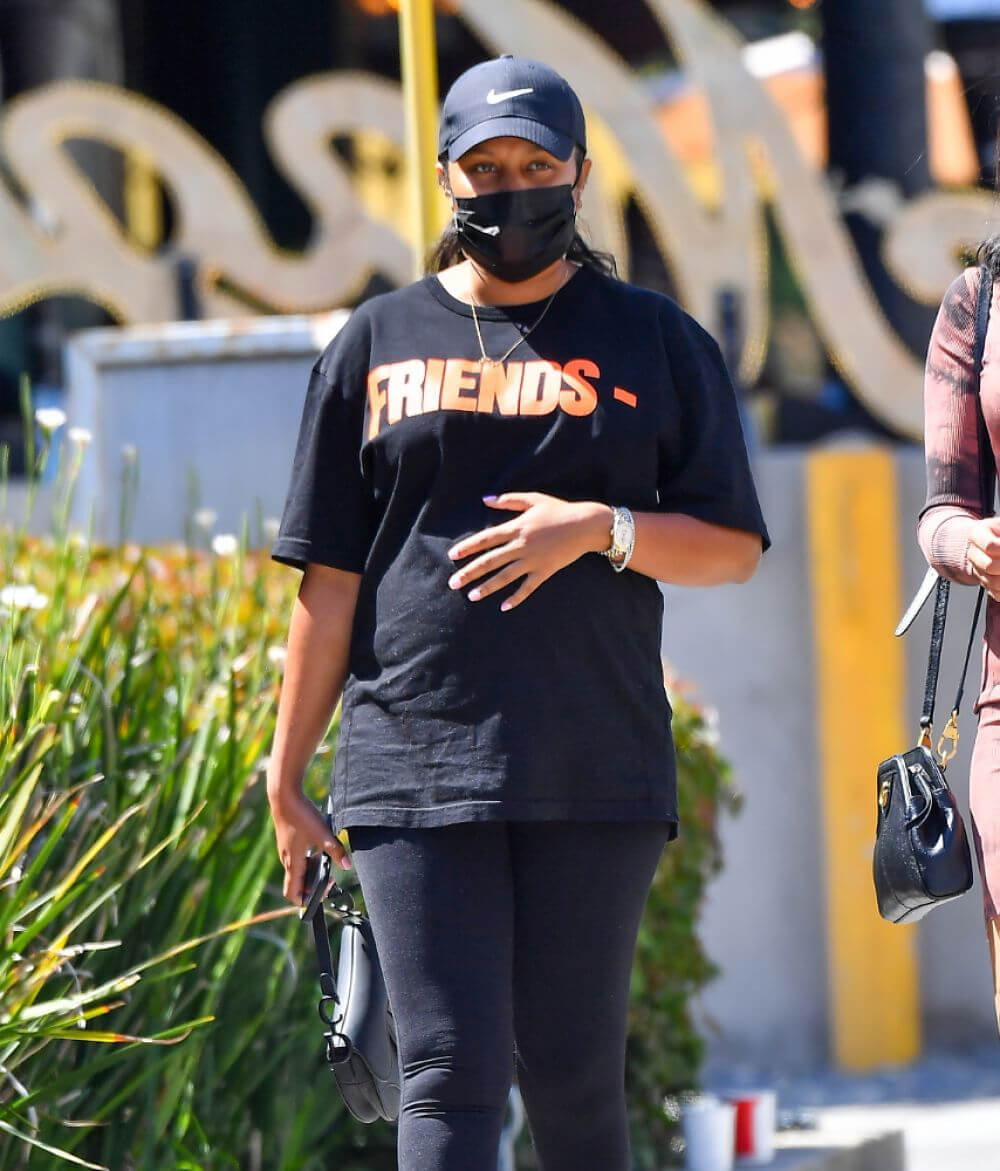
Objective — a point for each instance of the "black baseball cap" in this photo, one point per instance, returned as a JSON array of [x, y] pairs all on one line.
[[511, 96]]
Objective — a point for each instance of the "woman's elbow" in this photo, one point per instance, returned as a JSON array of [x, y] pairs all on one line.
[[747, 558]]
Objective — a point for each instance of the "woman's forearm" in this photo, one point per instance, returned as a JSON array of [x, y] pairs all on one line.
[[680, 549], [319, 637], [943, 536]]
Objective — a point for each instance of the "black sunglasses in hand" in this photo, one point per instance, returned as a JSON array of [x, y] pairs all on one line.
[[317, 879]]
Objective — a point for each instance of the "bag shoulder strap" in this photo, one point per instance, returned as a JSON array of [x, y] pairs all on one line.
[[987, 464], [987, 490]]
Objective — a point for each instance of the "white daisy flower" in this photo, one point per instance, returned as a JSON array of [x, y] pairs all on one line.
[[204, 518], [80, 435], [130, 453], [50, 418], [225, 544], [22, 597], [276, 655]]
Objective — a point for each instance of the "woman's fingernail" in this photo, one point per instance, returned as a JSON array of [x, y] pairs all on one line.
[[508, 605], [453, 582], [474, 595], [452, 554], [489, 497], [346, 862]]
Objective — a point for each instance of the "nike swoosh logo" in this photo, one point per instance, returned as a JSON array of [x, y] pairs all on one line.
[[464, 216], [493, 97]]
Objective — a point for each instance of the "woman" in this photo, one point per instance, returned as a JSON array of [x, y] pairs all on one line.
[[470, 452], [962, 544]]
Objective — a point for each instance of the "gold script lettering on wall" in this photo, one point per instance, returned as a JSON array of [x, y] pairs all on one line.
[[708, 244], [925, 240], [87, 251]]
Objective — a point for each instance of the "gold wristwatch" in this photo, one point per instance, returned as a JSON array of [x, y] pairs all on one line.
[[622, 538]]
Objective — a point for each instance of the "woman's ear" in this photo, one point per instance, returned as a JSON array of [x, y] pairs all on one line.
[[442, 178], [579, 185]]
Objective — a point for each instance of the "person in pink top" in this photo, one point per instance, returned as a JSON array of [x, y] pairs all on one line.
[[962, 544]]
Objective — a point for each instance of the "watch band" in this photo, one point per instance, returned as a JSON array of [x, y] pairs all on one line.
[[619, 552]]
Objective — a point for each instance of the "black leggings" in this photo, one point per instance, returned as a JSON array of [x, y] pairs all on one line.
[[502, 953]]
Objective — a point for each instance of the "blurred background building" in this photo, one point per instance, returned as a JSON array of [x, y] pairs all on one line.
[[850, 77]]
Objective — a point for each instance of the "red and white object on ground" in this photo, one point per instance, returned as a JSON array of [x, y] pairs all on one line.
[[756, 1119]]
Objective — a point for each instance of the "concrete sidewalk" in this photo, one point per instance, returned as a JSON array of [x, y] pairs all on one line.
[[942, 1136], [947, 1107]]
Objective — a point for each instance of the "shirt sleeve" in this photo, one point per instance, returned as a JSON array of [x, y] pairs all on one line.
[[704, 467], [327, 513], [951, 433]]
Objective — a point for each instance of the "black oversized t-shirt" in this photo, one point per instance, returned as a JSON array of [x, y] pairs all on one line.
[[455, 710]]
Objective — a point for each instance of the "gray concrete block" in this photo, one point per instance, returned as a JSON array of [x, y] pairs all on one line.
[[826, 1151]]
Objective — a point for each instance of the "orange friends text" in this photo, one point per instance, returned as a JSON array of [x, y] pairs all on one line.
[[415, 387]]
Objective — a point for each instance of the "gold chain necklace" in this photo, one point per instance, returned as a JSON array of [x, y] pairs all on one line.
[[486, 359]]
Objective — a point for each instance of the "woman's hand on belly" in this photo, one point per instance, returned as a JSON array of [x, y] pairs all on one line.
[[546, 535]]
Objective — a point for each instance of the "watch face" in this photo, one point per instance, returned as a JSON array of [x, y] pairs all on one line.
[[620, 534]]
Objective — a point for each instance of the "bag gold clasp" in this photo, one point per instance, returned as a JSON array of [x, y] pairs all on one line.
[[948, 732]]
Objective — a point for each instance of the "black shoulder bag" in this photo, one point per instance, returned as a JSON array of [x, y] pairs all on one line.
[[360, 1038], [921, 856]]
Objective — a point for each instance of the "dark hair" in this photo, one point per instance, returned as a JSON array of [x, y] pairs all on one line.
[[447, 250], [988, 252]]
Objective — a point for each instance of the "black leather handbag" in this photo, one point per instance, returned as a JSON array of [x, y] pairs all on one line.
[[921, 856], [360, 1039]]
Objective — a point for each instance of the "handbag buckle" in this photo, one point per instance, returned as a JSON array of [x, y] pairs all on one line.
[[948, 732], [925, 737]]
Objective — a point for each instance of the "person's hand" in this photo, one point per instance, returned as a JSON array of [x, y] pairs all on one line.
[[298, 826], [546, 534], [983, 554]]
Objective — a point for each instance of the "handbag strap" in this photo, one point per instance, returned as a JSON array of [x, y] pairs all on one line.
[[941, 594], [324, 954], [987, 495], [337, 1045]]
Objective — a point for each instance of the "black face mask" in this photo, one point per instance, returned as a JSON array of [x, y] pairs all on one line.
[[516, 234]]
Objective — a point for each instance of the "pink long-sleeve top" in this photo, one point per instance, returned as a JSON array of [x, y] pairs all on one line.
[[951, 446]]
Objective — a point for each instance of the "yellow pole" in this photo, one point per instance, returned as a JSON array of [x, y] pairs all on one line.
[[419, 58], [853, 519]]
